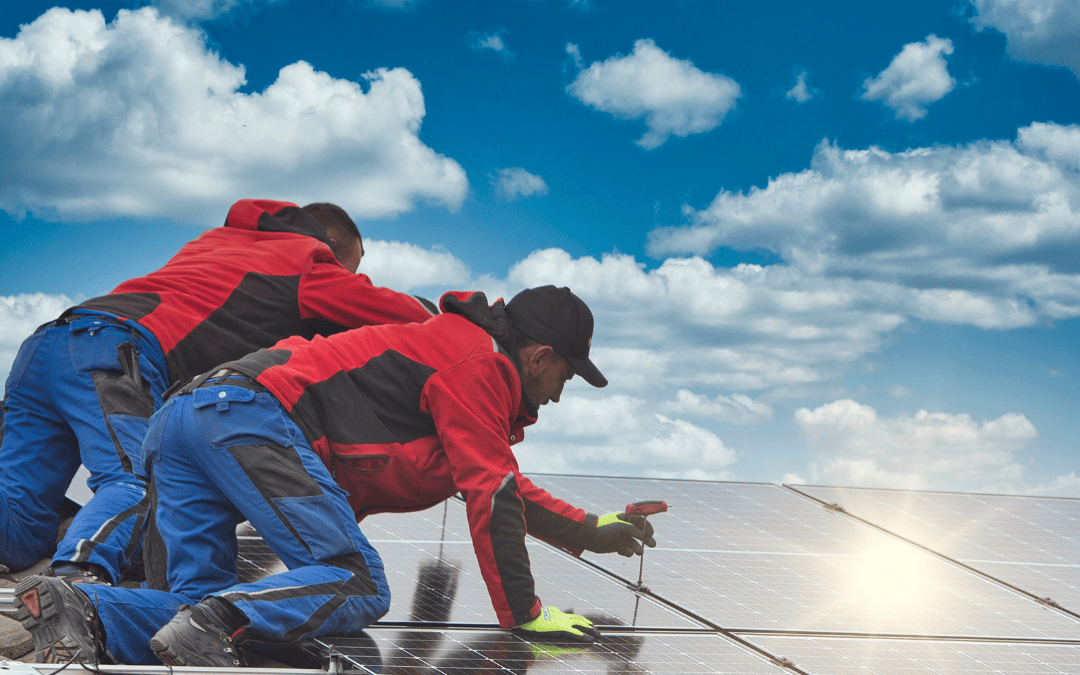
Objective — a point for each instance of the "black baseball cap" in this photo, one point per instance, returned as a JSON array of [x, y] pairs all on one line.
[[559, 319]]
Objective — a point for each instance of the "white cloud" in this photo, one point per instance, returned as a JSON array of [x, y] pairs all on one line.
[[801, 92], [737, 408], [394, 5], [404, 267], [742, 329], [620, 435], [139, 118], [1037, 31], [199, 10], [516, 183], [20, 315], [575, 55], [924, 451], [986, 233], [672, 95], [1066, 485], [916, 77], [489, 41], [899, 391]]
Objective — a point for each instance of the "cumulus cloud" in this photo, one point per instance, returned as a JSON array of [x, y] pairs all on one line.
[[1066, 485], [200, 10], [689, 325], [986, 233], [404, 267], [1037, 31], [737, 408], [924, 451], [517, 183], [20, 315], [916, 77], [491, 41], [140, 118], [672, 95], [802, 92], [619, 435]]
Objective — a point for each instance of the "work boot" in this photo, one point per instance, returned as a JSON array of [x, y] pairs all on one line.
[[204, 635], [62, 620], [78, 573]]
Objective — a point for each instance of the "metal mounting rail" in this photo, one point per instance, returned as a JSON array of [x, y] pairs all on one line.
[[7, 599], [20, 668]]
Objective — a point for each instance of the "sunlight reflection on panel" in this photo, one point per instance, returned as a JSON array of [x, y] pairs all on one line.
[[1032, 543], [760, 557], [882, 656], [893, 575]]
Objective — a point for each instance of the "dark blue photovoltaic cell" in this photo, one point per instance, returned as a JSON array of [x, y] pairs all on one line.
[[1032, 543], [759, 557]]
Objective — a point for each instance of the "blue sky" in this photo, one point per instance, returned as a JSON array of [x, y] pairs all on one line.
[[829, 243]]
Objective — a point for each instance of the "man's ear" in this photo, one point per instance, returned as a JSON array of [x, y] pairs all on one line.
[[535, 357]]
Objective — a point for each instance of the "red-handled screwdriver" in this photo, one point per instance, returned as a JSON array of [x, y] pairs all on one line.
[[645, 509]]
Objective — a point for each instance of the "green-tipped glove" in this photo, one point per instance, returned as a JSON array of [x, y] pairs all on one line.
[[620, 533], [556, 626]]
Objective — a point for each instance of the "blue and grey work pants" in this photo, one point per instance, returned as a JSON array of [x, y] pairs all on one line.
[[222, 454], [81, 390]]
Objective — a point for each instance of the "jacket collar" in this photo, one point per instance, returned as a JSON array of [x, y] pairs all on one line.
[[492, 318], [266, 215]]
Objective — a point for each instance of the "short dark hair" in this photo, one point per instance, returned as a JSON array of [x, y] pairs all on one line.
[[335, 223]]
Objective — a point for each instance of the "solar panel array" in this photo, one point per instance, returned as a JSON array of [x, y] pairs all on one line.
[[746, 578]]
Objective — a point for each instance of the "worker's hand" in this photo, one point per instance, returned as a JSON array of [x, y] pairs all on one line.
[[556, 626], [620, 533]]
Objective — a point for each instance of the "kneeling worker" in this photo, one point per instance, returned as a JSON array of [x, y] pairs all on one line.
[[305, 438]]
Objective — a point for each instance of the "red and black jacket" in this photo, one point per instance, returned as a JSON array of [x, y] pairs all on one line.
[[404, 417], [266, 275]]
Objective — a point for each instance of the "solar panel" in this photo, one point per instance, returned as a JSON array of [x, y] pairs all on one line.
[[1032, 543], [457, 652], [748, 578], [753, 556], [433, 548], [859, 656]]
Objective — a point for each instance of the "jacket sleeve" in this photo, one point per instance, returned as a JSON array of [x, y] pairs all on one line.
[[472, 405], [553, 520], [333, 299]]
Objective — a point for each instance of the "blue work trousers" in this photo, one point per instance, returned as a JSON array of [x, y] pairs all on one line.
[[224, 454], [71, 399]]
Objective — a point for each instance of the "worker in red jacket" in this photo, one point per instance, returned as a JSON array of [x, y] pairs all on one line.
[[83, 386], [301, 439]]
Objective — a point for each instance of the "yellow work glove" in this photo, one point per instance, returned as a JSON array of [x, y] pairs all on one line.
[[556, 626]]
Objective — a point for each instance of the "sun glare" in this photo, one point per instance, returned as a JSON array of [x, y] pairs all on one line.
[[891, 574]]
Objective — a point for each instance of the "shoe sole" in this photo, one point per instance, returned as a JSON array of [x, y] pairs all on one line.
[[52, 644], [165, 653]]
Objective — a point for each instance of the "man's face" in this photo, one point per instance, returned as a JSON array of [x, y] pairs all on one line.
[[545, 377], [350, 254]]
